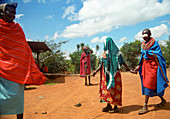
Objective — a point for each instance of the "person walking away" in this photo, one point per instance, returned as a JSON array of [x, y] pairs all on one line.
[[110, 77]]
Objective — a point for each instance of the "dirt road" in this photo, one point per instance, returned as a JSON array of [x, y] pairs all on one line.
[[57, 101]]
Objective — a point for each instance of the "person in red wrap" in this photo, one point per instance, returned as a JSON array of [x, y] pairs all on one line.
[[17, 65], [85, 67], [44, 69], [152, 71]]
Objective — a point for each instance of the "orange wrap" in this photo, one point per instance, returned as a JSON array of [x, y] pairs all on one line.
[[16, 60]]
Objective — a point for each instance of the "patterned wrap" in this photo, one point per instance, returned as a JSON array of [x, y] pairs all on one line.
[[110, 77]]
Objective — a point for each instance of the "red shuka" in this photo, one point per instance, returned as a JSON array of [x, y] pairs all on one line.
[[16, 61], [82, 65], [149, 73]]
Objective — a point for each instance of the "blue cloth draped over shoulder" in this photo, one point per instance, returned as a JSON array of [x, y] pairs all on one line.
[[156, 50], [112, 62]]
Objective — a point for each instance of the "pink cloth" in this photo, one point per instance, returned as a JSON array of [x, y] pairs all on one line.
[[85, 58]]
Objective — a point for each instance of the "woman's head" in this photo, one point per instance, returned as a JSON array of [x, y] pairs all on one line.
[[8, 11], [110, 46], [146, 34]]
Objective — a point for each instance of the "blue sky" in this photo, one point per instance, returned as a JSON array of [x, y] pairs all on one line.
[[90, 21]]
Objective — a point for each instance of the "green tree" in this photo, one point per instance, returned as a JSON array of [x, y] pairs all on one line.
[[131, 52], [75, 61], [78, 47], [97, 48], [54, 60], [82, 45], [166, 51]]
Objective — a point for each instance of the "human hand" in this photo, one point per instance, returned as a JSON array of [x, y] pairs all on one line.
[[133, 71], [94, 73]]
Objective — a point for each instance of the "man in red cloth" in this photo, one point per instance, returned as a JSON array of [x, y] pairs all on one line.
[[85, 67], [17, 65]]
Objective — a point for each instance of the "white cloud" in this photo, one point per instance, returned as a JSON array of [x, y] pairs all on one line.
[[26, 1], [41, 1], [110, 14], [46, 37], [157, 32], [55, 36], [97, 53], [19, 15], [103, 38], [166, 22], [68, 1], [49, 16], [97, 39], [66, 54], [163, 42], [55, 0], [123, 39], [69, 11], [29, 39]]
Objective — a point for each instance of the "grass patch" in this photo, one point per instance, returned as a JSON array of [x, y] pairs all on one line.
[[50, 83]]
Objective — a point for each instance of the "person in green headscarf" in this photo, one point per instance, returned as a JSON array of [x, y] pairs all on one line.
[[110, 77]]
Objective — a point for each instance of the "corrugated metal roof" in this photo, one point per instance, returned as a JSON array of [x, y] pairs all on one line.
[[38, 46]]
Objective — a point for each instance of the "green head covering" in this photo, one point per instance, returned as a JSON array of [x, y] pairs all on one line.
[[111, 61]]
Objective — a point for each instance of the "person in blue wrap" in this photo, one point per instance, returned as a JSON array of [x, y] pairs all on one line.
[[152, 70]]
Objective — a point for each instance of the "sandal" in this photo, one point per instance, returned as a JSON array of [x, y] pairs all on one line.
[[107, 108], [162, 103], [78, 105], [143, 110], [114, 110]]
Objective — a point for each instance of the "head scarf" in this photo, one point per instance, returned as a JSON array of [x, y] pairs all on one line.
[[85, 48], [4, 3], [110, 59]]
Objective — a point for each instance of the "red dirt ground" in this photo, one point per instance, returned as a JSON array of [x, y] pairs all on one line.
[[57, 101]]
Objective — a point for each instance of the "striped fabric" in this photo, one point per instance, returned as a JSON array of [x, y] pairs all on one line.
[[16, 61]]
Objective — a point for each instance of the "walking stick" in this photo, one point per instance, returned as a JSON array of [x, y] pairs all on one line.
[[160, 68]]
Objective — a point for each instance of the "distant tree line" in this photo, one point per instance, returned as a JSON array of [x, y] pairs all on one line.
[[56, 60]]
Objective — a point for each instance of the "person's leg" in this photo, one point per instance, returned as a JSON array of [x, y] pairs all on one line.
[[145, 107], [114, 110], [20, 116], [107, 108], [86, 81], [89, 81], [146, 100], [163, 101]]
